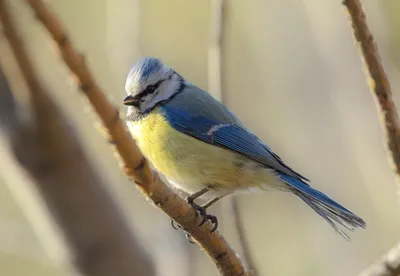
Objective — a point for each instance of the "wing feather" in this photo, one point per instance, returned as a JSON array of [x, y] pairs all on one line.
[[230, 136]]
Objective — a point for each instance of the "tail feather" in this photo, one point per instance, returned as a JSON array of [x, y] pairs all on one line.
[[335, 214]]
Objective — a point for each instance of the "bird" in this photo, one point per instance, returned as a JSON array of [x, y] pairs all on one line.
[[203, 149]]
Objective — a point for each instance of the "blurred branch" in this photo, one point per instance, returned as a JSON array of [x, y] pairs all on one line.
[[214, 48], [380, 88], [98, 236], [135, 164], [388, 265], [241, 237], [230, 204]]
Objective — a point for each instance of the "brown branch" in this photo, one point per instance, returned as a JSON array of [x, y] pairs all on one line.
[[135, 165], [230, 204], [380, 88], [100, 240], [378, 80]]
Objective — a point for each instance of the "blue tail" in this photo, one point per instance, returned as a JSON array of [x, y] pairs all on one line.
[[335, 214]]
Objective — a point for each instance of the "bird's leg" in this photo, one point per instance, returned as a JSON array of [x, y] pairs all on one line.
[[211, 202], [211, 218], [190, 199], [198, 194], [202, 209]]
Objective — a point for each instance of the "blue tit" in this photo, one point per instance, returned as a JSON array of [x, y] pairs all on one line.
[[202, 148]]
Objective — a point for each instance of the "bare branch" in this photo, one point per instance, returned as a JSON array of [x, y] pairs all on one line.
[[380, 87], [135, 165], [76, 195], [230, 204], [378, 80]]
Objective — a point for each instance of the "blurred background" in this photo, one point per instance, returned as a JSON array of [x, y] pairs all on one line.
[[290, 71]]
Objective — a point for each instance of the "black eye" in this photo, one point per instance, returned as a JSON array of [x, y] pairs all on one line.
[[151, 88]]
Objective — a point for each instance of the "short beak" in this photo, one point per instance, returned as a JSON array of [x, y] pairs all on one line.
[[130, 100]]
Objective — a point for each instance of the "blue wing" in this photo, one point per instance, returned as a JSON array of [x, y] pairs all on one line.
[[236, 138], [230, 136]]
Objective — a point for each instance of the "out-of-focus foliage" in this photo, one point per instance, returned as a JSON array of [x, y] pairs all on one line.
[[290, 72]]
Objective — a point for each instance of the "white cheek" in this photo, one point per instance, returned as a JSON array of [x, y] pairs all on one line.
[[160, 97], [166, 90], [147, 102]]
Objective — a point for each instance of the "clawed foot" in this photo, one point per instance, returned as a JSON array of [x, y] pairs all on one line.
[[189, 238], [203, 214], [177, 226], [204, 217], [200, 210]]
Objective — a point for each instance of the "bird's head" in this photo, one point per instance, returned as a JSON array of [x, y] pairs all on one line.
[[151, 83]]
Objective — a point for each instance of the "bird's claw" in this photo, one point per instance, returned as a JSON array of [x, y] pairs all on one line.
[[200, 211], [204, 216], [214, 221], [175, 225], [189, 238]]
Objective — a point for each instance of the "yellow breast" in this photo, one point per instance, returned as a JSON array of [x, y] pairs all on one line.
[[190, 163]]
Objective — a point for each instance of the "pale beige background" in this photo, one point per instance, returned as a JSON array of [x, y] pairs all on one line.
[[290, 72]]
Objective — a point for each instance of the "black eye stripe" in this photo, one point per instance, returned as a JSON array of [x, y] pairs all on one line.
[[149, 90]]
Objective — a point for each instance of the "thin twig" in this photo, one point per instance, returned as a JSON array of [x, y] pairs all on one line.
[[380, 89], [99, 238], [135, 164], [240, 234], [230, 204]]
